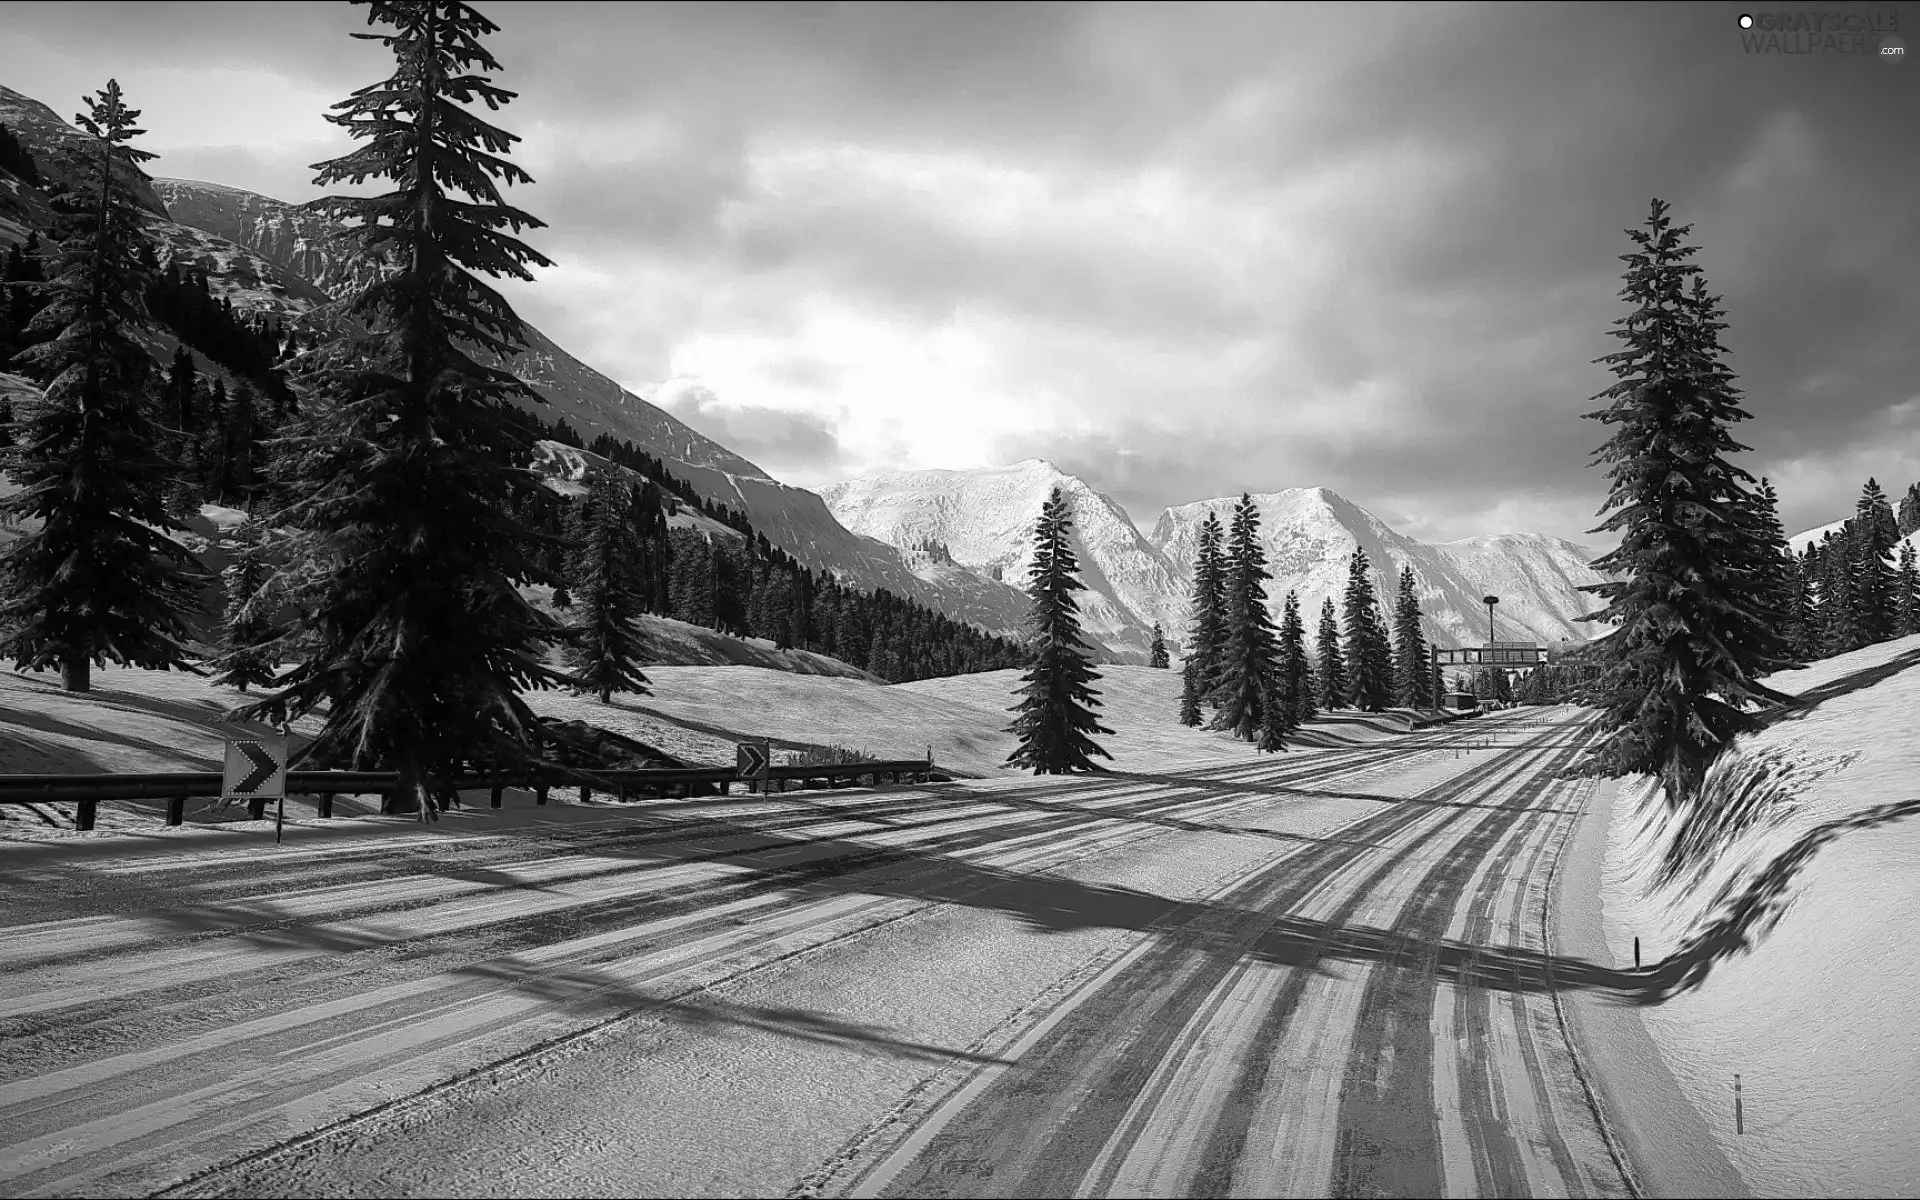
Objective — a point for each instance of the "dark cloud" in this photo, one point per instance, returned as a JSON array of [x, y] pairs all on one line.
[[1383, 259]]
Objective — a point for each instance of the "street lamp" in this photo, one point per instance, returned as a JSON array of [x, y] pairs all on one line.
[[1490, 601]]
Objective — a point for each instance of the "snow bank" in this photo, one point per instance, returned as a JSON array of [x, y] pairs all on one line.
[[1804, 914]]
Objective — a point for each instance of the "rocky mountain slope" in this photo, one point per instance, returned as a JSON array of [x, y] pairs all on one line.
[[983, 521], [301, 245]]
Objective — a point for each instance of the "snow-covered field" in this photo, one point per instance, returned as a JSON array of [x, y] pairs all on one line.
[[137, 720], [1816, 907]]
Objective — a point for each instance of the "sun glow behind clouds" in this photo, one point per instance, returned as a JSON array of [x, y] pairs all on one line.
[[897, 396]]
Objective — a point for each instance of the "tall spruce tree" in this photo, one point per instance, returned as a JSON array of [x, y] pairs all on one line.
[[1157, 653], [1295, 673], [100, 579], [1874, 536], [248, 629], [1330, 662], [1839, 614], [1055, 719], [1209, 608], [1369, 656], [1246, 680], [1411, 676], [608, 648], [1692, 640], [402, 469]]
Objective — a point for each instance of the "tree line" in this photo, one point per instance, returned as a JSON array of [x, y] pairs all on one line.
[[1244, 669]]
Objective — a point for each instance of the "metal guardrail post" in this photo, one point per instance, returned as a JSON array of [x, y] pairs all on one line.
[[326, 806], [540, 794], [257, 808], [84, 813], [176, 810], [495, 799]]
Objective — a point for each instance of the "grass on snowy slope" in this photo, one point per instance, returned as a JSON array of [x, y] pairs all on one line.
[[1790, 932]]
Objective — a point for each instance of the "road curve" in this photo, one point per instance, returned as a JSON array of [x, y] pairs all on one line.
[[1359, 1012]]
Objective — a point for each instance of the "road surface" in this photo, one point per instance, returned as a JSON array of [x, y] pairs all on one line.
[[1311, 974]]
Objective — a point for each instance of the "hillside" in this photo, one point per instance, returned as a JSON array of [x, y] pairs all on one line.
[[1798, 923], [310, 267]]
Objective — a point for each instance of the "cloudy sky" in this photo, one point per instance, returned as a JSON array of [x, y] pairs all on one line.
[[1182, 251]]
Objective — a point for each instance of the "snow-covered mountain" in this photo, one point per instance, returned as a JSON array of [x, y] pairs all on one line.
[[1310, 533], [984, 519]]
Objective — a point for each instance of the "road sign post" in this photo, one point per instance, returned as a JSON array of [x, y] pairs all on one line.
[[751, 761], [256, 771]]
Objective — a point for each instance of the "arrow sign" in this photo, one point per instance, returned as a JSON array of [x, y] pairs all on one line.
[[749, 760], [255, 768]]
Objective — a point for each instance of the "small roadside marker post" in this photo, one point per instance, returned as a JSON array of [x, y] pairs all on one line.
[[1739, 1117], [280, 816]]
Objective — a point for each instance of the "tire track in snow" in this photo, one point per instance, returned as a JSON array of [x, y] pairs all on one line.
[[84, 1129], [1103, 1045]]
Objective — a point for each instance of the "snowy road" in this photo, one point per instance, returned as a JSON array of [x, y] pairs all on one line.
[[1309, 974]]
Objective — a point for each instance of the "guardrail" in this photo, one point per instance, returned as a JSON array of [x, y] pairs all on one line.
[[177, 787]]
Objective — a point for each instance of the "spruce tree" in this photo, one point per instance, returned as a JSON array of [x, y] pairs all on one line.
[[1839, 614], [608, 647], [402, 469], [1247, 659], [1157, 653], [1295, 673], [1190, 691], [1874, 536], [1692, 640], [1411, 676], [1906, 594], [1276, 720], [1055, 719], [1329, 659], [100, 579], [1209, 607], [248, 628], [1369, 658], [1775, 583]]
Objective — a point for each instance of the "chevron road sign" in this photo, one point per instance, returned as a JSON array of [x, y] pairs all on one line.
[[750, 760], [256, 767]]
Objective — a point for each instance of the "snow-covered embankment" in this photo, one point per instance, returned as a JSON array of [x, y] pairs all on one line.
[[1803, 911]]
